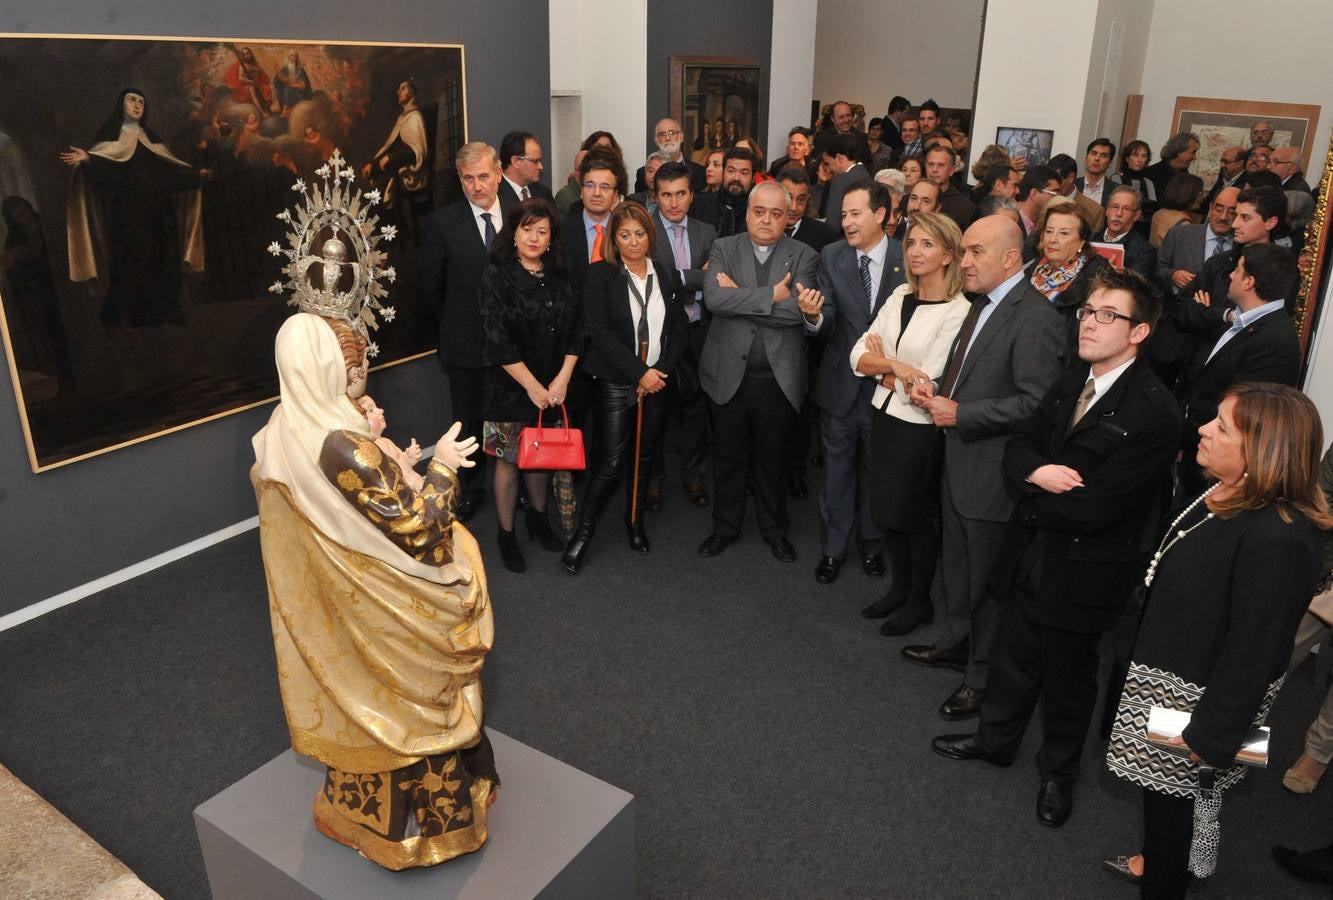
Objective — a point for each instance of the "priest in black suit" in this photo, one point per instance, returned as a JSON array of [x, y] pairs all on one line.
[[454, 252], [1085, 472]]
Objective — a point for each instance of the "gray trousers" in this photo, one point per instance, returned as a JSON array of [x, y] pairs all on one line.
[[969, 550], [844, 496], [1319, 739]]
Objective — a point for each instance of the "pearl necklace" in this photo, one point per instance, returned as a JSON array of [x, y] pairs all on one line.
[[1173, 537]]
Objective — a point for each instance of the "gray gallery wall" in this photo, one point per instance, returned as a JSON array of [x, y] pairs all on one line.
[[68, 526], [738, 28]]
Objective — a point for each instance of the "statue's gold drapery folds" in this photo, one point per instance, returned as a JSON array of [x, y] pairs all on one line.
[[377, 668]]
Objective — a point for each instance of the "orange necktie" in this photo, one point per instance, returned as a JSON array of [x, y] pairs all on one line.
[[597, 245]]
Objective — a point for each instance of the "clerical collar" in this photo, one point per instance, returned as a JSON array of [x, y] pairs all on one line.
[[761, 253]]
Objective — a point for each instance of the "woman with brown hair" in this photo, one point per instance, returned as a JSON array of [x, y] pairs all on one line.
[[1066, 263], [636, 334], [1226, 590], [1179, 201], [908, 342]]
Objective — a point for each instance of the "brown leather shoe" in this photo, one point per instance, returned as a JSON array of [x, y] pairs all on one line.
[[652, 499], [937, 657], [963, 703], [696, 494]]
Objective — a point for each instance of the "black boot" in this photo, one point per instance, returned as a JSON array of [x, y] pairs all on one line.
[[539, 528], [510, 555], [638, 539], [572, 558]]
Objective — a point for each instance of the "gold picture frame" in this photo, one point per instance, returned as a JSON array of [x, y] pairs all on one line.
[[244, 118], [1315, 259]]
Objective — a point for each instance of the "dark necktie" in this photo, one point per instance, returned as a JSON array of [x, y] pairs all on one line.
[[489, 237], [527, 194], [964, 338], [866, 281], [1221, 245], [790, 230]]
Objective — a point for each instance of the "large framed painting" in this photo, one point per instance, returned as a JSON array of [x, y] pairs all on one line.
[[140, 179], [1220, 124], [716, 100]]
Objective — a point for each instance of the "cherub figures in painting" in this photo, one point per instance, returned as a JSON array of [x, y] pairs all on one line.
[[380, 611]]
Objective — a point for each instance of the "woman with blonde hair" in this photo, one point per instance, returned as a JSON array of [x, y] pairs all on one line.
[[909, 342], [1227, 588]]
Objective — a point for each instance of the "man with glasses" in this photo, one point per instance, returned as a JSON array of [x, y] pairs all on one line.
[[1230, 172], [1122, 212], [583, 232], [670, 141], [1086, 471], [1261, 134], [1286, 164], [521, 156], [1258, 159]]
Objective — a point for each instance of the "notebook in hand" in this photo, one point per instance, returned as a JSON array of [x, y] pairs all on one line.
[[1165, 724]]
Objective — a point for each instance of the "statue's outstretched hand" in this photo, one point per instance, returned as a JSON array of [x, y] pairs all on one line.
[[452, 452]]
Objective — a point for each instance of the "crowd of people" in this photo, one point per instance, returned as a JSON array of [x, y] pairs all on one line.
[[1016, 385]]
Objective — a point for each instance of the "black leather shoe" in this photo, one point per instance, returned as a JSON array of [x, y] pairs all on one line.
[[572, 558], [1055, 801], [464, 509], [638, 538], [963, 703], [798, 489], [782, 549], [510, 555], [937, 657], [1119, 867], [906, 620], [1313, 865], [885, 606], [965, 746], [872, 564], [715, 544], [827, 570], [697, 494]]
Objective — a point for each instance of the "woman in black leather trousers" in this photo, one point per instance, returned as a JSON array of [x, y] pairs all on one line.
[[636, 334]]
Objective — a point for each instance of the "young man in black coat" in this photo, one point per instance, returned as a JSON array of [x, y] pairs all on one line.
[[1084, 473]]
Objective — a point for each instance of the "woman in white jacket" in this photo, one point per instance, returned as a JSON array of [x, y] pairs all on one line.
[[908, 342]]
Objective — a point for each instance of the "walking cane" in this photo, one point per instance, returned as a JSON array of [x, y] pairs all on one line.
[[638, 443]]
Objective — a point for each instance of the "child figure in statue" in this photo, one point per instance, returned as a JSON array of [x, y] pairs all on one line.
[[407, 459]]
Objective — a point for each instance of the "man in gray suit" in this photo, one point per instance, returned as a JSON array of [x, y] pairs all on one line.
[[855, 276], [683, 244], [753, 367], [840, 153], [1009, 352]]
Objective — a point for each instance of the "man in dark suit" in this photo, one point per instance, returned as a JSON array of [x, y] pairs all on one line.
[[1095, 183], [813, 233], [1257, 342], [1186, 246], [892, 132], [670, 143], [602, 182], [1122, 211], [1230, 172], [856, 274], [799, 145], [940, 161], [1177, 154], [647, 198], [1009, 352], [840, 157], [1085, 472], [453, 255], [683, 245], [725, 209], [521, 159], [1286, 164], [753, 366]]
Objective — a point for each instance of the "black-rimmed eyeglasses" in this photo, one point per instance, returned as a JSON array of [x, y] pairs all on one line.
[[1103, 315]]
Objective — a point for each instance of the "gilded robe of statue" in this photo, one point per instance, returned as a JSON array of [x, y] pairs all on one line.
[[381, 620]]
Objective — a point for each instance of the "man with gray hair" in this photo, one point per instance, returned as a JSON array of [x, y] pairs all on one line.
[[648, 196], [453, 255], [761, 291], [1123, 209], [670, 141], [1177, 154], [1285, 163]]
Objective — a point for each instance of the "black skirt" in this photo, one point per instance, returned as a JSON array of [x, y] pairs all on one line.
[[905, 461]]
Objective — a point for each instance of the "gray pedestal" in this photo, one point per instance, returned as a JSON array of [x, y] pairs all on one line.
[[554, 832]]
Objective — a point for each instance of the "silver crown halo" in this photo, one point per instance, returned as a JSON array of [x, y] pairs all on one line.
[[334, 202]]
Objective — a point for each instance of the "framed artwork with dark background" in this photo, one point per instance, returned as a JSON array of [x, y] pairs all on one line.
[[716, 100], [134, 280]]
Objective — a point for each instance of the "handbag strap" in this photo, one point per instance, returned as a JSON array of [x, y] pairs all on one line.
[[564, 415]]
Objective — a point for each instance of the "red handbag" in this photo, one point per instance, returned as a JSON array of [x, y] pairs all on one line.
[[559, 448]]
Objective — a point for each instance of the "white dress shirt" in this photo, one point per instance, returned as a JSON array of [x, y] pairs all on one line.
[[656, 311], [496, 219]]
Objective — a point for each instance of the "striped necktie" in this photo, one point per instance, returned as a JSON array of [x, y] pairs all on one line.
[[866, 282]]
